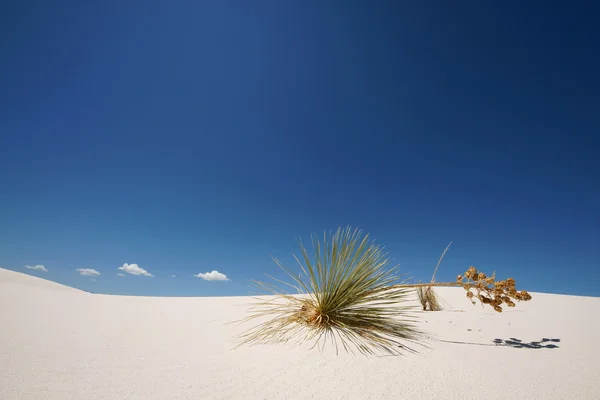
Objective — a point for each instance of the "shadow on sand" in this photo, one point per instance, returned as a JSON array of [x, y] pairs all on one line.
[[545, 343]]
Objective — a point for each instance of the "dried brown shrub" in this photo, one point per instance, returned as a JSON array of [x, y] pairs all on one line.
[[427, 296], [429, 299], [489, 291]]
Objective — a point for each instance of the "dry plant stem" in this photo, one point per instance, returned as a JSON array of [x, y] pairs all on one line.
[[489, 291], [439, 262], [436, 284], [428, 296], [421, 295]]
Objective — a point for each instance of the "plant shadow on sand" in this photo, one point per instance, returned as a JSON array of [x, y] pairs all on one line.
[[545, 343]]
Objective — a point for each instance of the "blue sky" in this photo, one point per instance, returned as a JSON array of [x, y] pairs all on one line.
[[187, 137]]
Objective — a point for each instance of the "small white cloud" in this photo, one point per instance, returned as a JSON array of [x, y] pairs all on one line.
[[38, 267], [121, 274], [88, 272], [134, 269], [173, 276], [212, 276]]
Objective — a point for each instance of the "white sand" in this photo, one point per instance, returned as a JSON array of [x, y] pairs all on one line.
[[61, 343]]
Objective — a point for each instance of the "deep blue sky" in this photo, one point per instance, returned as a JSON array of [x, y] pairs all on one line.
[[191, 136]]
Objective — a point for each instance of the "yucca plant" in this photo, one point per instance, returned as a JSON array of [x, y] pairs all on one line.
[[346, 293], [427, 296], [429, 299]]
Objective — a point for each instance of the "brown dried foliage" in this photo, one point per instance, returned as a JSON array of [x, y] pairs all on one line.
[[429, 299], [489, 291]]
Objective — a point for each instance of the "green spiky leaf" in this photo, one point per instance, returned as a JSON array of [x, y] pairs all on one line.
[[346, 293]]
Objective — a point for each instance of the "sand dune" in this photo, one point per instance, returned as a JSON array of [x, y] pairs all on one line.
[[8, 278], [61, 343]]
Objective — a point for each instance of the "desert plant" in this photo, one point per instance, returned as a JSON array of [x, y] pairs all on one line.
[[349, 295], [422, 296], [489, 291], [427, 296]]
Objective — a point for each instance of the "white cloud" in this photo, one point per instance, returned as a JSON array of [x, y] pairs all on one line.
[[173, 276], [134, 269], [212, 276], [121, 274], [88, 271], [38, 267]]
